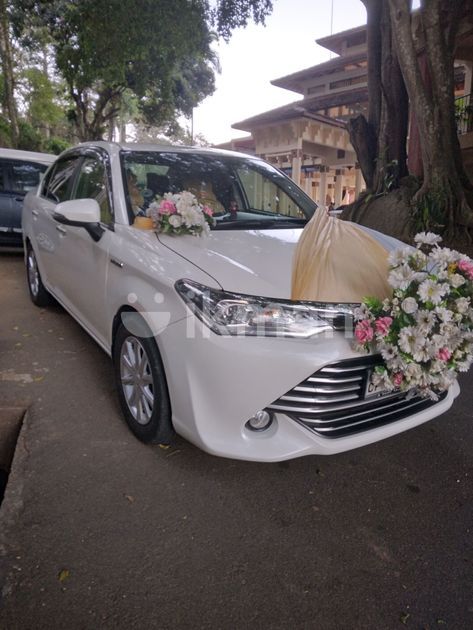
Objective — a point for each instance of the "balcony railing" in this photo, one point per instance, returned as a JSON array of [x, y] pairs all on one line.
[[464, 113]]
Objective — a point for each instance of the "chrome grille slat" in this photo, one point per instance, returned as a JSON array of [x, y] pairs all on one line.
[[316, 379], [332, 401], [342, 370], [370, 419], [326, 390], [326, 409], [323, 401], [392, 406]]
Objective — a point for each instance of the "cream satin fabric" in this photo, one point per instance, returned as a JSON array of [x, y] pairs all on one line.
[[336, 261]]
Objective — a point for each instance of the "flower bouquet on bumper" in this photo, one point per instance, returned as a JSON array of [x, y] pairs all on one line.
[[424, 332], [180, 214]]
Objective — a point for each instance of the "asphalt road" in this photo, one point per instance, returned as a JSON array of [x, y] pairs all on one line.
[[100, 531]]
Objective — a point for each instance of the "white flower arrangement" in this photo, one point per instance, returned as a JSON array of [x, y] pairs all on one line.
[[425, 331], [180, 214]]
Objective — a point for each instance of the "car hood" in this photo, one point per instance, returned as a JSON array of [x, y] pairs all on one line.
[[257, 262]]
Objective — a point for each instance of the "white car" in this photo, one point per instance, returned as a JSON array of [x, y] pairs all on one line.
[[203, 336]]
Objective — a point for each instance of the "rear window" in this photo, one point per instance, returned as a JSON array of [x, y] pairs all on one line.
[[20, 177]]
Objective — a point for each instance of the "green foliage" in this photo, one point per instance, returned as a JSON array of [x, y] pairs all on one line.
[[29, 139], [156, 50], [429, 212], [159, 51], [40, 98], [231, 14], [55, 145], [5, 137]]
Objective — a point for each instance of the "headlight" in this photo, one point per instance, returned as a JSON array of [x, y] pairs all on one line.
[[234, 314]]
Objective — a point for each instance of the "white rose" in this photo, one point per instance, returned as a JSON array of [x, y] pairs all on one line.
[[175, 220], [409, 305], [457, 280], [462, 304]]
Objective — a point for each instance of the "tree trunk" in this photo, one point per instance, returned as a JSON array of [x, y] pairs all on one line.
[[8, 75], [111, 130], [364, 133], [380, 141], [444, 186], [393, 122], [364, 140]]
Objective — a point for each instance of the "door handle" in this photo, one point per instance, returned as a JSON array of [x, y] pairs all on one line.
[[35, 213], [117, 263], [60, 229]]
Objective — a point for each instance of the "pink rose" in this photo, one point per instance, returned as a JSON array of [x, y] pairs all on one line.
[[363, 331], [467, 267], [383, 324], [397, 379], [167, 207], [444, 354], [208, 211]]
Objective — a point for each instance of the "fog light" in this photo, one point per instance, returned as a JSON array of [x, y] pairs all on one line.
[[261, 421]]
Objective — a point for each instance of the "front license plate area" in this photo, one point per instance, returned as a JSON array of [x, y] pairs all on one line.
[[377, 391]]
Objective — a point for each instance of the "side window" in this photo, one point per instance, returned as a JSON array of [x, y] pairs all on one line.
[[58, 186], [92, 184], [25, 176], [3, 177]]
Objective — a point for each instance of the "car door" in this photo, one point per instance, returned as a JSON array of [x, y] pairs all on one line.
[[48, 233], [83, 261]]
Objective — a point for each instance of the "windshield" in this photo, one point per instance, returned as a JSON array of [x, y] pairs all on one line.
[[243, 193]]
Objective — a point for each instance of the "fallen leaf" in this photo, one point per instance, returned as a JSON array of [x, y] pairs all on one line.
[[130, 498], [164, 446], [63, 575], [404, 617]]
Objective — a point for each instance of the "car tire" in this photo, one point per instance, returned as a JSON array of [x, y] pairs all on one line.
[[141, 383], [38, 293]]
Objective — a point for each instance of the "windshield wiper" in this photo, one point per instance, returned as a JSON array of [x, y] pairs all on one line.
[[258, 224]]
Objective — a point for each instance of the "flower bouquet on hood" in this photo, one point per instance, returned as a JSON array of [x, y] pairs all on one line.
[[181, 213], [425, 331]]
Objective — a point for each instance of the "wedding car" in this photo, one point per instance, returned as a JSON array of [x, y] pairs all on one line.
[[20, 172], [204, 338]]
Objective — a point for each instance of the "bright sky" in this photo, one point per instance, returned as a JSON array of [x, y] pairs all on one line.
[[256, 55]]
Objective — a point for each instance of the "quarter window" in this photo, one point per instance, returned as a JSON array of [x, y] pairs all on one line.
[[265, 195]]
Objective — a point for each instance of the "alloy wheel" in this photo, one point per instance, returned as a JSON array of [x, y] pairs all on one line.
[[137, 380], [33, 272]]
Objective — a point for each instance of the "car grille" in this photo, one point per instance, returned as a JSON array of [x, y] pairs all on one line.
[[332, 401]]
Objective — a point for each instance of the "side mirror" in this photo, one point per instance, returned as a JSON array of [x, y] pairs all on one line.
[[79, 210], [83, 213]]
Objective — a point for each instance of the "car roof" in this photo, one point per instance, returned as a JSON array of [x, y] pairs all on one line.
[[30, 156], [143, 147]]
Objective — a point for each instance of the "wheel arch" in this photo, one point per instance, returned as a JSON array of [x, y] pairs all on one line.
[[118, 319]]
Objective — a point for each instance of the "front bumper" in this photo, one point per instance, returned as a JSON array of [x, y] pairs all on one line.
[[217, 383]]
